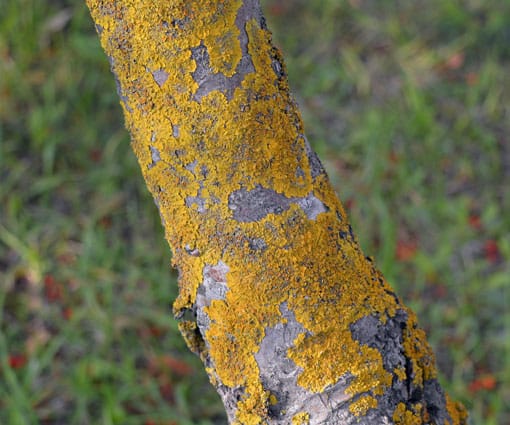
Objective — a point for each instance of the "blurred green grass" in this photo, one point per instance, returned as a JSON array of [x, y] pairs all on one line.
[[407, 105]]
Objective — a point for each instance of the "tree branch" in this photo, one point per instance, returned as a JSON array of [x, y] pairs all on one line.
[[294, 325]]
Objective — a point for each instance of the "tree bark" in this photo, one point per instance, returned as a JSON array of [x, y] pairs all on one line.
[[293, 323]]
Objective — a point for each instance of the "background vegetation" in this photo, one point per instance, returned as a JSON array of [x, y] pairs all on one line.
[[408, 106]]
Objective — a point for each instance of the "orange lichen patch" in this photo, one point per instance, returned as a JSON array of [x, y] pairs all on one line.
[[400, 372], [403, 416], [273, 400], [456, 410], [361, 406], [336, 292], [218, 29], [320, 370], [253, 408], [195, 152], [302, 418], [419, 352]]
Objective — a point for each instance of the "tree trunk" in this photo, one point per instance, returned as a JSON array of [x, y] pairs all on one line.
[[293, 323]]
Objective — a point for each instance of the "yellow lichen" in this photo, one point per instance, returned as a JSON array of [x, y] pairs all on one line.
[[362, 405], [400, 372], [403, 416], [252, 409], [302, 418], [208, 149], [273, 400], [456, 410], [419, 352]]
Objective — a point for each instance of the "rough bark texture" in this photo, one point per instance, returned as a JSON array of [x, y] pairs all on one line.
[[293, 323]]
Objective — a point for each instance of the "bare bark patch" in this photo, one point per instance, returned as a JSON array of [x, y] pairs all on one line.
[[213, 287], [279, 375], [155, 156], [208, 80], [160, 76], [254, 205]]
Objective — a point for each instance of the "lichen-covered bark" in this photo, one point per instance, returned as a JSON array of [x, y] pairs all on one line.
[[293, 323]]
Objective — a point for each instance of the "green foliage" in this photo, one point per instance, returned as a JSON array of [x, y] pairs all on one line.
[[408, 108]]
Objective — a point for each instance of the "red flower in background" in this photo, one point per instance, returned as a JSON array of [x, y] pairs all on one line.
[[485, 382], [491, 251], [17, 361], [475, 221], [405, 250], [67, 313], [52, 289]]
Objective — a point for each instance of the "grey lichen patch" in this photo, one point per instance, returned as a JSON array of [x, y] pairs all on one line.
[[311, 206], [155, 156], [254, 205], [160, 76], [257, 244], [196, 201], [230, 397], [436, 401], [204, 171], [213, 287], [215, 281], [249, 10], [191, 166], [344, 417], [387, 337], [313, 160], [279, 376], [194, 252], [175, 130], [208, 80], [123, 98]]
